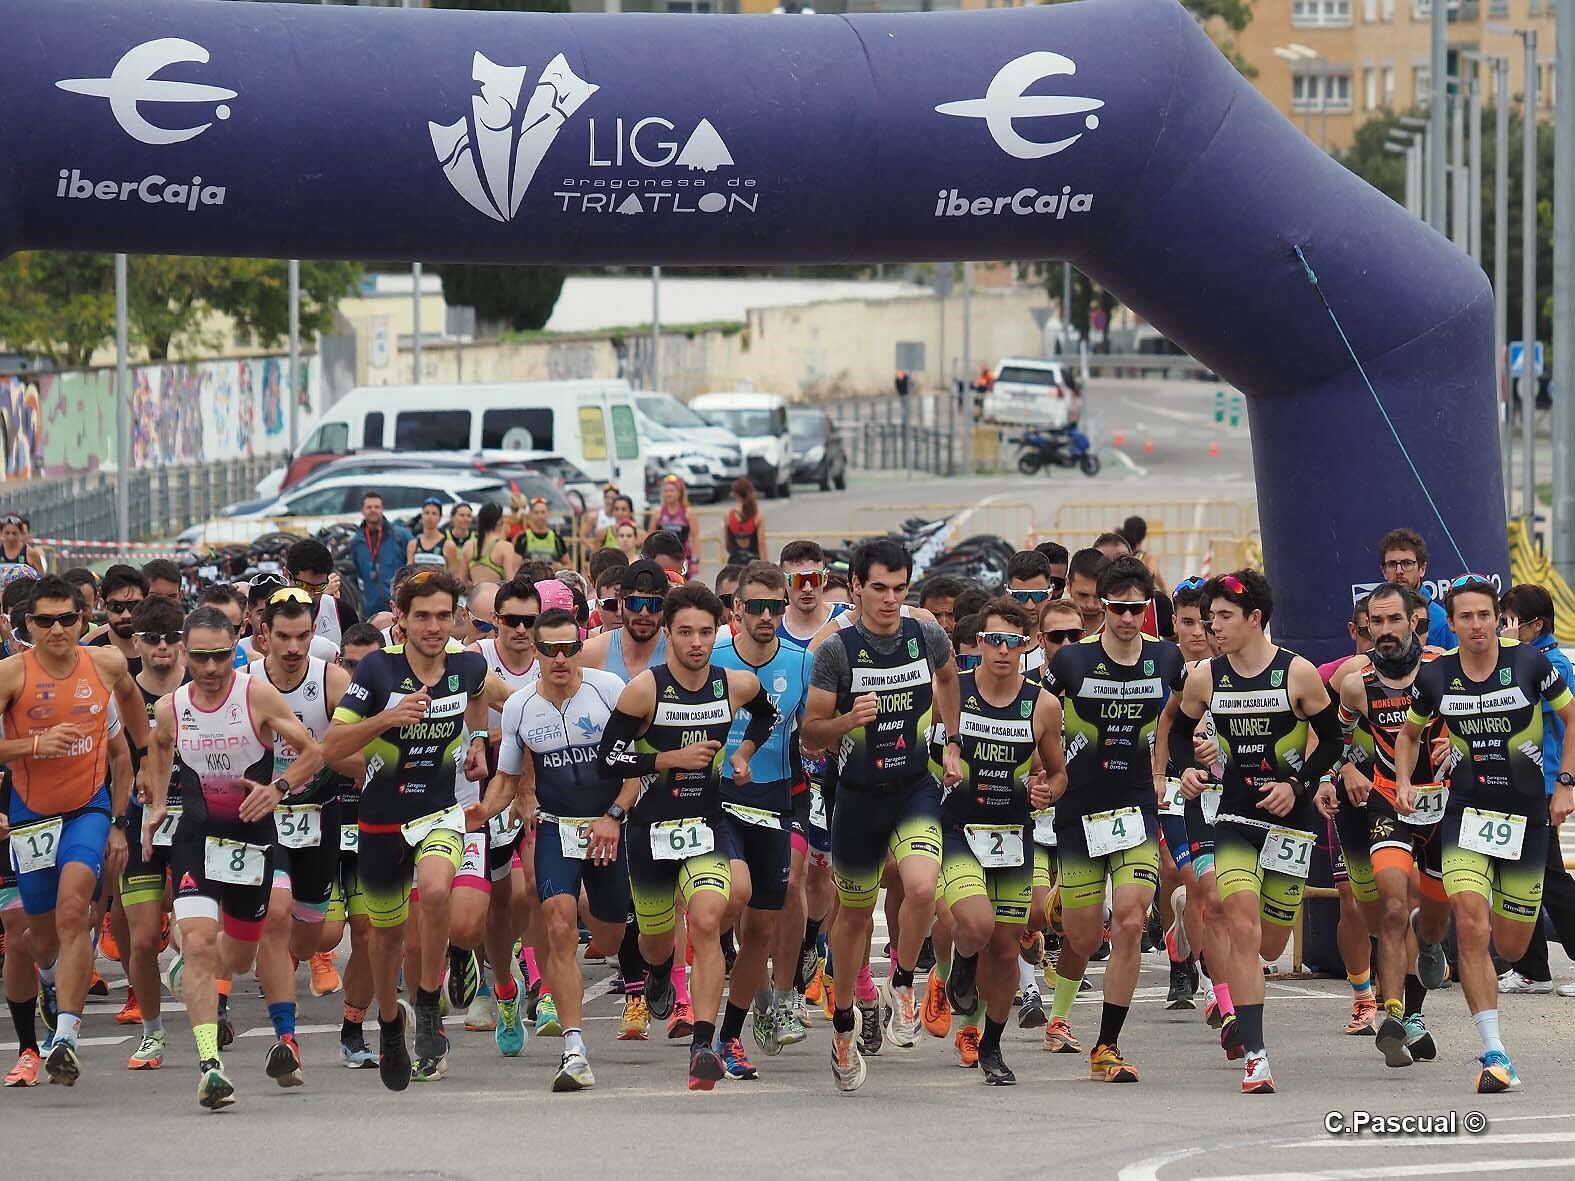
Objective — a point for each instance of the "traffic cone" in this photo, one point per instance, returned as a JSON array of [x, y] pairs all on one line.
[[1148, 446], [1121, 438], [1214, 449]]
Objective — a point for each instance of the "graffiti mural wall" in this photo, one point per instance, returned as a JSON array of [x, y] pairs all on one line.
[[52, 424]]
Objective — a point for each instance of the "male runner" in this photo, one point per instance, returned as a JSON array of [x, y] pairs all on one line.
[[1263, 699], [311, 567], [67, 820], [123, 588], [873, 691], [1114, 686], [988, 864], [408, 709], [1082, 587], [666, 737], [218, 733], [804, 565], [1489, 693], [1028, 582], [561, 793]]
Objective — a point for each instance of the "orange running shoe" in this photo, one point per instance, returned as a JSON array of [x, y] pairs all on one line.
[[812, 991], [25, 1072], [967, 1043], [1364, 1017], [131, 1012], [107, 947], [937, 1011], [325, 977]]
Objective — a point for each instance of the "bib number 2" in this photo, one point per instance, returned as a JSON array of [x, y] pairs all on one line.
[[995, 846]]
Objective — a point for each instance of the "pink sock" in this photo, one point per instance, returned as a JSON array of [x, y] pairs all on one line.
[[681, 983], [1222, 997], [864, 987], [532, 972]]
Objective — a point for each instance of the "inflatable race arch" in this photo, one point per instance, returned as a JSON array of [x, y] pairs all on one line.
[[1111, 133]]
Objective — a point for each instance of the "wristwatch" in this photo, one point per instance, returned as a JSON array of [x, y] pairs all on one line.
[[617, 812], [280, 786], [1565, 779], [954, 740], [121, 822]]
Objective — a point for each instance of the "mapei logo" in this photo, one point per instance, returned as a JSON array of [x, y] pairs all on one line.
[[491, 155], [132, 83], [1006, 100]]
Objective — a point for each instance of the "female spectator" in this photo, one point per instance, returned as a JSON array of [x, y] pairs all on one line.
[[461, 526], [676, 517], [432, 547], [596, 528], [744, 540]]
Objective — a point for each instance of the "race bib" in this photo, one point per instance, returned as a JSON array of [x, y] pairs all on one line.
[[1430, 801], [1210, 801], [996, 846], [1497, 834], [1113, 831], [1044, 827], [1173, 802], [817, 809], [504, 827], [574, 836], [208, 573], [233, 862], [35, 846], [1287, 851], [416, 831], [164, 834], [300, 825], [349, 838], [678, 840], [759, 817]]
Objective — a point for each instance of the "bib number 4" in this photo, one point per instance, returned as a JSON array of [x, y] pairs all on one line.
[[1111, 832]]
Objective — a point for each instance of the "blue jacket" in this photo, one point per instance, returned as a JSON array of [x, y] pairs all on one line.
[[1552, 724], [1438, 633], [377, 570]]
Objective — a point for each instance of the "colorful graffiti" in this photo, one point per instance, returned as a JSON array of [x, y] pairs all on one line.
[[180, 414]]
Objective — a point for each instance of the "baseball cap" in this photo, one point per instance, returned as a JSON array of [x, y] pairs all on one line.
[[644, 577], [553, 593]]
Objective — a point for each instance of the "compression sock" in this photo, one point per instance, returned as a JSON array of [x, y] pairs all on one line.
[[351, 1026], [681, 984], [1065, 993], [1222, 998], [207, 1041], [631, 964], [733, 1022], [1415, 995], [864, 989], [842, 1020], [532, 972], [506, 989], [901, 977], [1361, 984], [152, 1025], [67, 1026], [24, 1019], [1487, 1026], [990, 1041], [943, 968], [1026, 981], [282, 1014], [1250, 1018], [573, 1041], [705, 1035], [811, 933], [1111, 1019]]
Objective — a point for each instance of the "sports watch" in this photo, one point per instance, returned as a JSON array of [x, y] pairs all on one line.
[[1565, 779], [617, 812]]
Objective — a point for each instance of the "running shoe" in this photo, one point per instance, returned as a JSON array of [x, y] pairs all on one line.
[[801, 1010], [574, 1073], [1497, 1073], [547, 1024], [1211, 1011], [1180, 994], [1513, 981], [660, 995], [967, 1044], [64, 1067], [108, 945], [1257, 1080], [130, 1012], [635, 1024], [812, 991], [706, 1069], [996, 1072], [1032, 948], [355, 1054], [1230, 1038], [962, 985], [790, 1026], [764, 1028], [394, 1066], [325, 976], [847, 1063], [47, 1011], [464, 978], [615, 984], [431, 1046], [98, 986], [1107, 1065], [509, 1029], [150, 1054], [533, 992], [1059, 1039], [226, 1030], [871, 1034], [214, 1089], [808, 963], [1032, 1014], [482, 1016], [1364, 1017], [682, 1023], [1176, 945], [25, 1072], [902, 1026], [283, 1063], [174, 973], [1419, 1040], [735, 1062], [1391, 1041], [1432, 963], [937, 1015]]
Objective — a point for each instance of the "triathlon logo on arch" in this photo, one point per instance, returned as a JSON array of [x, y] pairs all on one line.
[[491, 155], [1006, 101]]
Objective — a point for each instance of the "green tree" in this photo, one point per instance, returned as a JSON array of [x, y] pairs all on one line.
[[520, 296], [57, 304], [1219, 18]]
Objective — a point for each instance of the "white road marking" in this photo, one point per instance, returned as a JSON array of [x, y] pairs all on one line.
[[1148, 1168], [1133, 465], [1191, 416], [1367, 1142], [1381, 1171], [81, 1041]]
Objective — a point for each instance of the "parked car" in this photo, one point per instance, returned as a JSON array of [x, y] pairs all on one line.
[[667, 411], [1031, 392], [704, 475], [760, 423], [818, 454]]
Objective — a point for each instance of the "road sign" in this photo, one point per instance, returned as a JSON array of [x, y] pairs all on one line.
[[1517, 358], [910, 356]]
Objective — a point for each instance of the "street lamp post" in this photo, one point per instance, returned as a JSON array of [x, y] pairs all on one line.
[[1528, 282], [1563, 527]]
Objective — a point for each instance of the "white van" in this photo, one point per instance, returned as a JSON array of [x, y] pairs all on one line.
[[667, 411], [760, 423], [589, 423]]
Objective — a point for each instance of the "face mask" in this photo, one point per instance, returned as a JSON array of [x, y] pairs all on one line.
[[1402, 665]]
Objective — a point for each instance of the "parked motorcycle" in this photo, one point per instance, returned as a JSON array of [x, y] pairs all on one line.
[[1067, 447]]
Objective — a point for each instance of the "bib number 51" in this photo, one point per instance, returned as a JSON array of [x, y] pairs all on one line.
[[1287, 851]]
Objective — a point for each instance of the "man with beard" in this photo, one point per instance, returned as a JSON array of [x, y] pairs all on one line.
[[123, 588]]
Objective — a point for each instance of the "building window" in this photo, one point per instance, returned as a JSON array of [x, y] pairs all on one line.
[[1534, 8], [1369, 89], [1389, 11], [1389, 87], [1318, 92], [1369, 11], [1498, 9], [1423, 9], [1321, 13]]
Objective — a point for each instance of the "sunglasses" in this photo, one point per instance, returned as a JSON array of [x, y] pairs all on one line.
[[121, 606], [551, 648], [609, 606], [290, 594], [266, 580], [10, 519], [44, 623], [1233, 584], [1026, 595], [1062, 635], [964, 663], [1188, 584], [1124, 607], [315, 588], [1365, 632], [154, 639], [1011, 640], [727, 601], [211, 655], [806, 579], [509, 619], [482, 626], [643, 604], [422, 577], [764, 606], [1466, 580]]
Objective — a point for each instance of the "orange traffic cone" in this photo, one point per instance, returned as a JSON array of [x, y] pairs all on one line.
[[1121, 438], [1214, 449], [1148, 446]]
